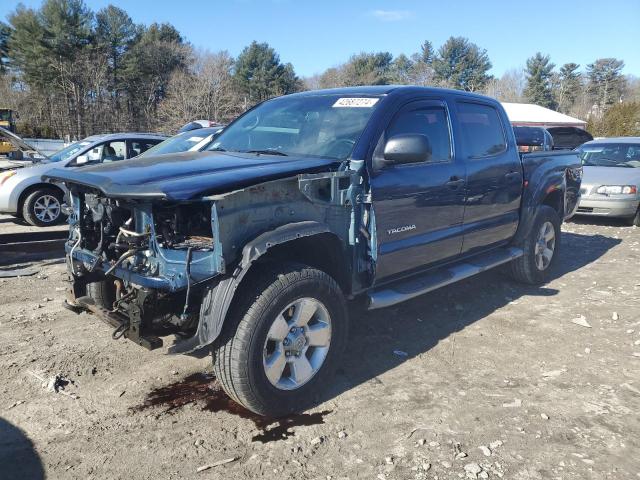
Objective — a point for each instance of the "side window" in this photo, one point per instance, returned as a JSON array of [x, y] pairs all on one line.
[[140, 146], [432, 122], [482, 130], [114, 151]]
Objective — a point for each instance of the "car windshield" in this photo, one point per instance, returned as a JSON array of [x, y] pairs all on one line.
[[68, 152], [625, 155], [181, 143], [320, 125]]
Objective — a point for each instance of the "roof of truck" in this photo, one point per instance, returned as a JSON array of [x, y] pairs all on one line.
[[385, 90]]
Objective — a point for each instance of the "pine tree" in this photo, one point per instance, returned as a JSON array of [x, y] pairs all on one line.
[[568, 87], [462, 64], [538, 89], [260, 75], [606, 82]]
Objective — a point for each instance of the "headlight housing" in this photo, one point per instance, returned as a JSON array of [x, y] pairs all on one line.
[[617, 190], [4, 176]]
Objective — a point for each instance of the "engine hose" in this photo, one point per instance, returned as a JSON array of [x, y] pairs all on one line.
[[123, 257]]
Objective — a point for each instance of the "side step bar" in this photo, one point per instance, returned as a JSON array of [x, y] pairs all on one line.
[[432, 280]]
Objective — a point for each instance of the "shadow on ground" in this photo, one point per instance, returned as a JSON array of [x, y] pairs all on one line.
[[376, 335], [18, 457]]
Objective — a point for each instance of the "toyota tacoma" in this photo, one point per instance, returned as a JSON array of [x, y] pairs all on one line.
[[253, 248]]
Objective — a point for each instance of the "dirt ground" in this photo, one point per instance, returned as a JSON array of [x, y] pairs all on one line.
[[483, 379]]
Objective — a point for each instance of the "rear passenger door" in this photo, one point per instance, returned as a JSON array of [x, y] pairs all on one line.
[[494, 176], [418, 206]]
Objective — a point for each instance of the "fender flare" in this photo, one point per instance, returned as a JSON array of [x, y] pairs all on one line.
[[534, 199], [219, 296]]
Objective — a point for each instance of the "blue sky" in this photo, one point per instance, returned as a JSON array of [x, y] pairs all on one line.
[[314, 35]]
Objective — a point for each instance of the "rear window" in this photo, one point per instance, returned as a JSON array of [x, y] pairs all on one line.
[[482, 131]]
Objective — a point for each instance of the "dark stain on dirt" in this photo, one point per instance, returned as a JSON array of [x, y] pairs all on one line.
[[204, 389]]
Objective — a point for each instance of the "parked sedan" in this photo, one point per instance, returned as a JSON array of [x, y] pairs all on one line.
[[24, 194], [611, 178]]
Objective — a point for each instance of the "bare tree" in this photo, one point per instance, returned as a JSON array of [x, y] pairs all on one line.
[[509, 87], [206, 90]]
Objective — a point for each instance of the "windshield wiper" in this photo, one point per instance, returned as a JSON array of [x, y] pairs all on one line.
[[267, 152], [217, 149]]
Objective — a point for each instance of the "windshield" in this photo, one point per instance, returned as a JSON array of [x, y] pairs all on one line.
[[68, 152], [320, 126], [625, 155], [191, 140]]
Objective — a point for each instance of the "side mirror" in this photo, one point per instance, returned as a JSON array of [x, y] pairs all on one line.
[[407, 148], [82, 159]]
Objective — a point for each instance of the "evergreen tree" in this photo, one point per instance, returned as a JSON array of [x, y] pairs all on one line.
[[260, 75], [606, 82], [462, 64], [538, 89], [569, 85], [115, 33], [5, 32], [368, 69]]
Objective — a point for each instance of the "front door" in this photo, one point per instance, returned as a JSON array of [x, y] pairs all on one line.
[[419, 207]]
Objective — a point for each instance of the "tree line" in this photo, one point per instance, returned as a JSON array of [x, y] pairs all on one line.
[[71, 72]]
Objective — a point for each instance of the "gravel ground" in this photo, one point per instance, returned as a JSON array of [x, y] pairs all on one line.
[[482, 379]]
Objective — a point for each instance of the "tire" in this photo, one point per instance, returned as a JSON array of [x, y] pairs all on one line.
[[43, 207], [103, 293], [635, 220], [527, 268], [243, 351]]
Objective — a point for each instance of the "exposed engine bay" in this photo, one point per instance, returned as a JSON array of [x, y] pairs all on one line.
[[146, 266]]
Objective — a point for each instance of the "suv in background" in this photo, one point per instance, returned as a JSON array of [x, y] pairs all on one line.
[[24, 194]]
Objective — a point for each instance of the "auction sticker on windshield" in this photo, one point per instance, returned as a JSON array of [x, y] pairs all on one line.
[[360, 102]]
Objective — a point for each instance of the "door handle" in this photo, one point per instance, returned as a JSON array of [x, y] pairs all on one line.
[[455, 182], [511, 176]]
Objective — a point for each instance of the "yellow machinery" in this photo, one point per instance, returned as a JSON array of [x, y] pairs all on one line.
[[6, 121]]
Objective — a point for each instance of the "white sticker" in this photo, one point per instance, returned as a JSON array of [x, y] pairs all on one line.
[[360, 102]]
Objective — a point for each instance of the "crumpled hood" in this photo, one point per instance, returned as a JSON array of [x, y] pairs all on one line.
[[188, 175], [610, 176]]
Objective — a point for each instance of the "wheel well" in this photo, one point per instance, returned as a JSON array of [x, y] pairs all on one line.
[[32, 188], [555, 200], [323, 251]]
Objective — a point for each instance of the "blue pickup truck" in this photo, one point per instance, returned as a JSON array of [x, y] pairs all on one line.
[[253, 248]]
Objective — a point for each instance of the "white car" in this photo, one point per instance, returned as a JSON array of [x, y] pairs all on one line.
[[24, 194]]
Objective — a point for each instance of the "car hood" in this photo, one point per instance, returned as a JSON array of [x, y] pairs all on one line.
[[610, 176], [35, 169], [188, 175]]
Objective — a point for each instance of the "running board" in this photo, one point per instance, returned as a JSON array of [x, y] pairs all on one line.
[[421, 284]]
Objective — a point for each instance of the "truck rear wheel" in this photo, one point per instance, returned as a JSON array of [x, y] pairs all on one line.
[[541, 249], [282, 341]]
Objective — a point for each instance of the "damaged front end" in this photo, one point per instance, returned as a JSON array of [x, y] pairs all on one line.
[[146, 261], [153, 267]]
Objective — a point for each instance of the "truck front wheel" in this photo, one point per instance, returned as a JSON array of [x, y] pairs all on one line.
[[541, 249], [282, 341]]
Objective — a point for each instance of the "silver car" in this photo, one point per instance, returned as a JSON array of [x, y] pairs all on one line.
[[24, 194], [611, 178]]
